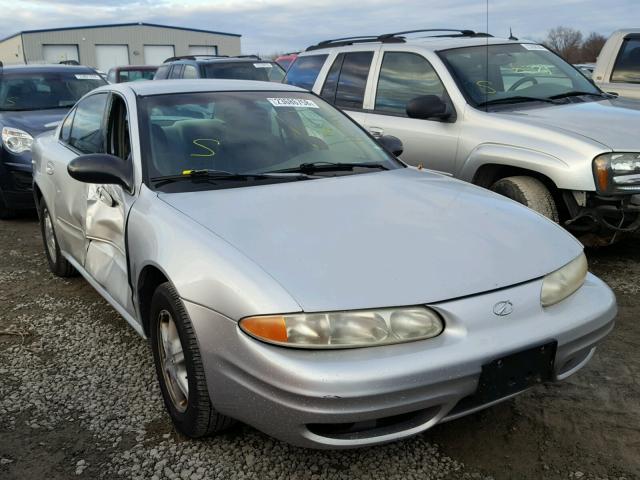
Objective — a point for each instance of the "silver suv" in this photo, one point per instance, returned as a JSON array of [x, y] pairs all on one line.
[[507, 115]]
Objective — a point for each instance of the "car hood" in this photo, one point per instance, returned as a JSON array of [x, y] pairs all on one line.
[[33, 122], [592, 120], [401, 237]]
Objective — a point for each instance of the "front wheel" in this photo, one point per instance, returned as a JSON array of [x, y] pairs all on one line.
[[179, 367], [530, 192], [58, 265]]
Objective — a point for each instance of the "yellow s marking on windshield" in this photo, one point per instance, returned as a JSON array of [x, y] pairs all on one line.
[[209, 151], [486, 87]]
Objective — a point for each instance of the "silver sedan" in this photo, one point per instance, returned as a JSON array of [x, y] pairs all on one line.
[[292, 273]]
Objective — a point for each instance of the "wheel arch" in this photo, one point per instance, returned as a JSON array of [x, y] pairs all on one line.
[[149, 279]]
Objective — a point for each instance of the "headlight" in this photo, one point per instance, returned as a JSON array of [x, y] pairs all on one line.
[[563, 282], [617, 172], [358, 328], [16, 140]]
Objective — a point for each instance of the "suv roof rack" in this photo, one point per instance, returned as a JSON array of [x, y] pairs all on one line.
[[396, 37], [208, 57]]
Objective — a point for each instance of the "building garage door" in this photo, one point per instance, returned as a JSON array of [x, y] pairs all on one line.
[[156, 54], [203, 50], [58, 53], [108, 56]]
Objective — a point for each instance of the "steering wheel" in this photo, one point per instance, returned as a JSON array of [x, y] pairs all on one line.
[[522, 81]]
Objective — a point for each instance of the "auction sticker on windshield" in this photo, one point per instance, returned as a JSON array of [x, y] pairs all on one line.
[[533, 46], [292, 102], [262, 65], [88, 76]]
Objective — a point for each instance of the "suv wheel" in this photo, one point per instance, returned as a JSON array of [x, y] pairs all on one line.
[[530, 192], [58, 265], [179, 367]]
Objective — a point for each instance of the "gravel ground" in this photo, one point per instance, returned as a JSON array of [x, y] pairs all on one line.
[[79, 399]]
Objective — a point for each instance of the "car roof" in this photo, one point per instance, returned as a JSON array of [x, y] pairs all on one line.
[[163, 87], [221, 60], [136, 67], [429, 43], [46, 68]]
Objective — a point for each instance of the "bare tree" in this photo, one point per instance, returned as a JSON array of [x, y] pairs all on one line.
[[592, 46], [565, 41]]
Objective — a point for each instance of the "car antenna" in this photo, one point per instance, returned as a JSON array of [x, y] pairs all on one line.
[[511, 37]]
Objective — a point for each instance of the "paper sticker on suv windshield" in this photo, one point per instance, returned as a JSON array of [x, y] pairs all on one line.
[[263, 65], [293, 102], [87, 76], [533, 46]]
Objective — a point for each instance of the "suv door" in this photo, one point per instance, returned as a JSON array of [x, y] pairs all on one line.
[[107, 208], [402, 76], [82, 133], [345, 84]]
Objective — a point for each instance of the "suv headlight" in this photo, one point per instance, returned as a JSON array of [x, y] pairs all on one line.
[[617, 172], [16, 140], [563, 282], [348, 329]]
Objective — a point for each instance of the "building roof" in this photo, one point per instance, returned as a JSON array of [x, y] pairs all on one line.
[[110, 25]]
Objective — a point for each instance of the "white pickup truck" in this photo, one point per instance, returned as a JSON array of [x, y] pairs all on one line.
[[618, 67]]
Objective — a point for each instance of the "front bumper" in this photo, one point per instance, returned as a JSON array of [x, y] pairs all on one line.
[[16, 185], [358, 397]]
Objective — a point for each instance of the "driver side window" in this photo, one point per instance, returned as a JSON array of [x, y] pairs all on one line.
[[87, 134], [403, 77]]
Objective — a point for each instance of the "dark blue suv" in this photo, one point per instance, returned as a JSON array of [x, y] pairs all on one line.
[[33, 99]]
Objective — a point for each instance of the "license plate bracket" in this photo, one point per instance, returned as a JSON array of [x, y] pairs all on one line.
[[512, 374]]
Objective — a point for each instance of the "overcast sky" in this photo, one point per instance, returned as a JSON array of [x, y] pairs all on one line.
[[269, 26]]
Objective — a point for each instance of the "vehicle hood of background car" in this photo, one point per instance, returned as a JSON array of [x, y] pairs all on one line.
[[591, 120], [33, 122], [401, 237]]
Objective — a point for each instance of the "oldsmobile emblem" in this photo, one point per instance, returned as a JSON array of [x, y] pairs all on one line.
[[502, 309]]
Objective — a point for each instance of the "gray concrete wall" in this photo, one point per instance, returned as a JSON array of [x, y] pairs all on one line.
[[135, 36], [11, 51]]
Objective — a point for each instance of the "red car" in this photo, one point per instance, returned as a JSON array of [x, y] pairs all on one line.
[[287, 59]]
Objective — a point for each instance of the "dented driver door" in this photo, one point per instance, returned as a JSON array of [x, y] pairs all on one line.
[[106, 215]]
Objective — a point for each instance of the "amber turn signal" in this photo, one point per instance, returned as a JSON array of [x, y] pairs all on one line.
[[271, 328], [601, 167]]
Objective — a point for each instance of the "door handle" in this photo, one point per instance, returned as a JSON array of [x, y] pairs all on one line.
[[376, 132], [49, 168]]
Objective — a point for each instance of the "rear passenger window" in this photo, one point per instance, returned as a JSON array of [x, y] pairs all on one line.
[[353, 79], [190, 72], [65, 131], [176, 72], [403, 77], [627, 68], [162, 73], [304, 71], [87, 134], [331, 82]]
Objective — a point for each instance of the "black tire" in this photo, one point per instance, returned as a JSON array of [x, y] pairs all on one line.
[[58, 265], [199, 419], [530, 192], [6, 213]]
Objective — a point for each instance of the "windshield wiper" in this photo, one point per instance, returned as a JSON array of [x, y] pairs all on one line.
[[314, 167], [217, 175], [577, 93], [515, 99]]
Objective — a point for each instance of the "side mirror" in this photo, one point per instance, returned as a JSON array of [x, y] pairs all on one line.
[[392, 144], [428, 107], [102, 168]]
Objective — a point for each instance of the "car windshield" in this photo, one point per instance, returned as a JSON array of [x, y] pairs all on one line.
[[47, 90], [272, 133], [253, 70], [135, 75], [513, 73]]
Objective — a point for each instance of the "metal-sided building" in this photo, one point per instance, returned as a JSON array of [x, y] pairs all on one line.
[[105, 46]]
